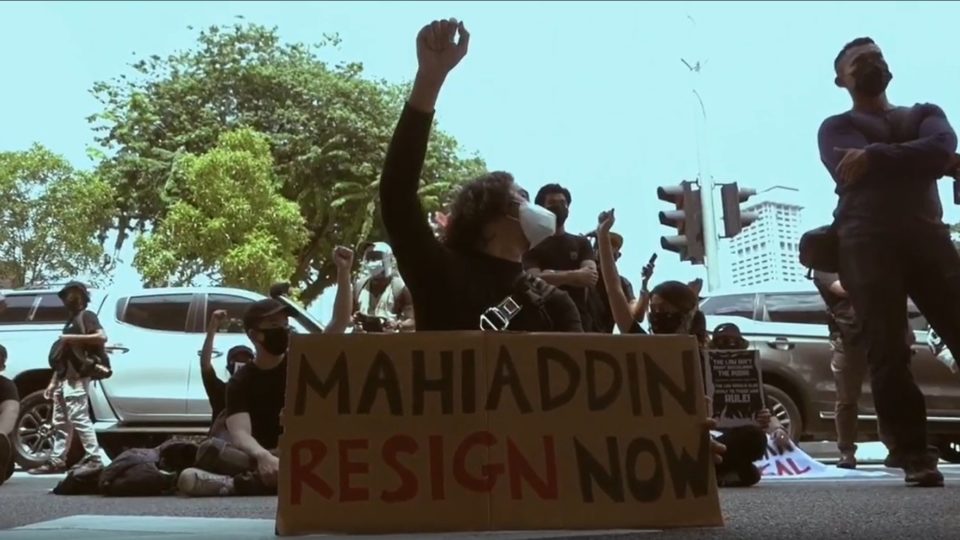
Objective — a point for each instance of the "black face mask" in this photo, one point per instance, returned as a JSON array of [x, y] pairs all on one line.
[[666, 322], [276, 340], [872, 79], [561, 212]]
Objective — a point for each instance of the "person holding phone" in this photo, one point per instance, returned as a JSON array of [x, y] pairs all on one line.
[[600, 299]]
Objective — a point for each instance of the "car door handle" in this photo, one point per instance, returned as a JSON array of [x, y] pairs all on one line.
[[213, 354], [117, 347], [781, 344]]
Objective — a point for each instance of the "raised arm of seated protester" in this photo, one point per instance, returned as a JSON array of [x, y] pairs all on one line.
[[248, 465], [620, 306], [491, 225]]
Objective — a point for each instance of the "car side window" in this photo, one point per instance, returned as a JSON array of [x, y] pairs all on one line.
[[51, 310], [796, 308], [733, 305], [18, 309], [167, 312], [235, 306]]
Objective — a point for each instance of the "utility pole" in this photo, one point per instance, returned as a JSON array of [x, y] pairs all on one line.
[[710, 239]]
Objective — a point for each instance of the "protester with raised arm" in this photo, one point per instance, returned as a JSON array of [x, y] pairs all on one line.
[[477, 264], [248, 463]]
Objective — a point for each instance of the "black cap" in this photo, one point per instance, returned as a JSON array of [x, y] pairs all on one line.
[[279, 289], [261, 310], [239, 349], [74, 285]]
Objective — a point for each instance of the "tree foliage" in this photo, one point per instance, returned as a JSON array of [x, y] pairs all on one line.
[[228, 223], [327, 127], [50, 217]]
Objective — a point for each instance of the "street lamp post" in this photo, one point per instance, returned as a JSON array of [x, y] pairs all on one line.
[[710, 238]]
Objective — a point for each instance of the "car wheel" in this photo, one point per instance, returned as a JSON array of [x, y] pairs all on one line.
[[949, 450], [33, 436], [783, 407]]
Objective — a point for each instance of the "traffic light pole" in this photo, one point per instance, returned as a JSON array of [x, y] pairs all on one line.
[[711, 240]]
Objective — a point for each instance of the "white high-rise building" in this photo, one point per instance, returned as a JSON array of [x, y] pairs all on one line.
[[767, 250]]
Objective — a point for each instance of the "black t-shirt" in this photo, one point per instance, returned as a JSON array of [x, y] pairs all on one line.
[[450, 289], [259, 393], [564, 252], [8, 390], [69, 363], [216, 391], [600, 304]]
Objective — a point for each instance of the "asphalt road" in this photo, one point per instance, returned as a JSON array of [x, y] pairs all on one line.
[[850, 509]]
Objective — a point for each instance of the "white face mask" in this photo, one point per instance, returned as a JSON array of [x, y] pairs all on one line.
[[537, 223]]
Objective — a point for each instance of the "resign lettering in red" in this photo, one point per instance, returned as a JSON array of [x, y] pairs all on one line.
[[355, 461]]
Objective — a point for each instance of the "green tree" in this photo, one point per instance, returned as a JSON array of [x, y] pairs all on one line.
[[50, 217], [228, 223], [327, 125]]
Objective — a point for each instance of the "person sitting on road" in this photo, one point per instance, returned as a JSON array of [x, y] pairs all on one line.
[[215, 388], [83, 336], [745, 444], [381, 300], [248, 463], [477, 266], [9, 412]]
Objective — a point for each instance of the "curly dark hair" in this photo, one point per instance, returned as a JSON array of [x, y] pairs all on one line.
[[477, 203], [551, 189]]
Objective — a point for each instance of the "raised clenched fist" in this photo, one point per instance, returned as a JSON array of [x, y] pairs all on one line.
[[438, 50], [343, 258]]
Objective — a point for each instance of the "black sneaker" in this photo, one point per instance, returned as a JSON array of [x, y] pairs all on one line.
[[922, 472]]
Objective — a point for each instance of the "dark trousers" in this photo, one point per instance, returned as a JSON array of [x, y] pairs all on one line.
[[220, 457], [879, 270]]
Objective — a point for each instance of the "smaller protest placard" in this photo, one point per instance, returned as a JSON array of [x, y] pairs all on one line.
[[735, 386]]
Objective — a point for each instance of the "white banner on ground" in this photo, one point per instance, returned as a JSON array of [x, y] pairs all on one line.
[[797, 464]]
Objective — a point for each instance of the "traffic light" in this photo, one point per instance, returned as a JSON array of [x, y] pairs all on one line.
[[731, 197], [687, 219]]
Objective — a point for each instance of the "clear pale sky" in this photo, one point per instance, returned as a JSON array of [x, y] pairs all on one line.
[[591, 95]]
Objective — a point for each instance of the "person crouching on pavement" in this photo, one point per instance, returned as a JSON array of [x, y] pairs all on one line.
[[9, 412], [69, 387], [745, 444], [247, 463]]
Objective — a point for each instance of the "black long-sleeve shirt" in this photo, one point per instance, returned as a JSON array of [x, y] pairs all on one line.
[[450, 289], [908, 150]]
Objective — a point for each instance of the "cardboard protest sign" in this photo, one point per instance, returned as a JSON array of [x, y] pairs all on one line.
[[735, 386], [797, 464], [470, 431]]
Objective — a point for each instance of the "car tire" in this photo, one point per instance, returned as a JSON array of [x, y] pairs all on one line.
[[34, 430], [785, 409]]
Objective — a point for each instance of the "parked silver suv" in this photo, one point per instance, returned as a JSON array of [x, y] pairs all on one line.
[[155, 336], [788, 325]]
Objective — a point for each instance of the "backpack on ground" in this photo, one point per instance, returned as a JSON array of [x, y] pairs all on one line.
[[80, 481], [135, 473]]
